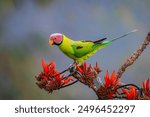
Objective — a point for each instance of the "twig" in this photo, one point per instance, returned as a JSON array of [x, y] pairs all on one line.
[[134, 56], [123, 86], [68, 69], [69, 84]]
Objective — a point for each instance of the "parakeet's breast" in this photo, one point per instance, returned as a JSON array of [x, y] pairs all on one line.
[[66, 47]]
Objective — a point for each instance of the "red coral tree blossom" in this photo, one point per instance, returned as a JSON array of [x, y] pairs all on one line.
[[50, 78], [108, 89], [130, 93], [87, 74]]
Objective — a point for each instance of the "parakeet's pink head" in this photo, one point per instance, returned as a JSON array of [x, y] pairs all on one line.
[[56, 39]]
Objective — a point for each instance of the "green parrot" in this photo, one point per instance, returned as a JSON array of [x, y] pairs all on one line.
[[79, 51]]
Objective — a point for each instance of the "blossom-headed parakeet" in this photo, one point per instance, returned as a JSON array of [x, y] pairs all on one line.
[[79, 51]]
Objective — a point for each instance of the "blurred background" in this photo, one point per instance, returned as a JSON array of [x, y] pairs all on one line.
[[25, 26]]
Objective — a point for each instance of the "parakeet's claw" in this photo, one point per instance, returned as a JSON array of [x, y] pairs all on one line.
[[72, 67]]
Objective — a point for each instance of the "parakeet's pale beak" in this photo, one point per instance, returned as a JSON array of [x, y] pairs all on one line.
[[51, 42]]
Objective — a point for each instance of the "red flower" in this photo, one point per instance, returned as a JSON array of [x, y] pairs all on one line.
[[111, 81], [45, 66], [50, 78], [48, 69], [131, 93], [146, 87], [84, 69], [87, 74], [109, 88]]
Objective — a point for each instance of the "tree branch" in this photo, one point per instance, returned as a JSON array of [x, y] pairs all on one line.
[[134, 56]]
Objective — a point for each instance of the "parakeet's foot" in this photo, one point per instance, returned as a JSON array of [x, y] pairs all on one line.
[[72, 66], [71, 69]]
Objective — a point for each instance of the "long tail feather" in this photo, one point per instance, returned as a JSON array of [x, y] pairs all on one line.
[[135, 30]]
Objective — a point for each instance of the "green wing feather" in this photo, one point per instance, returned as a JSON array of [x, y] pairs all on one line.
[[82, 48]]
